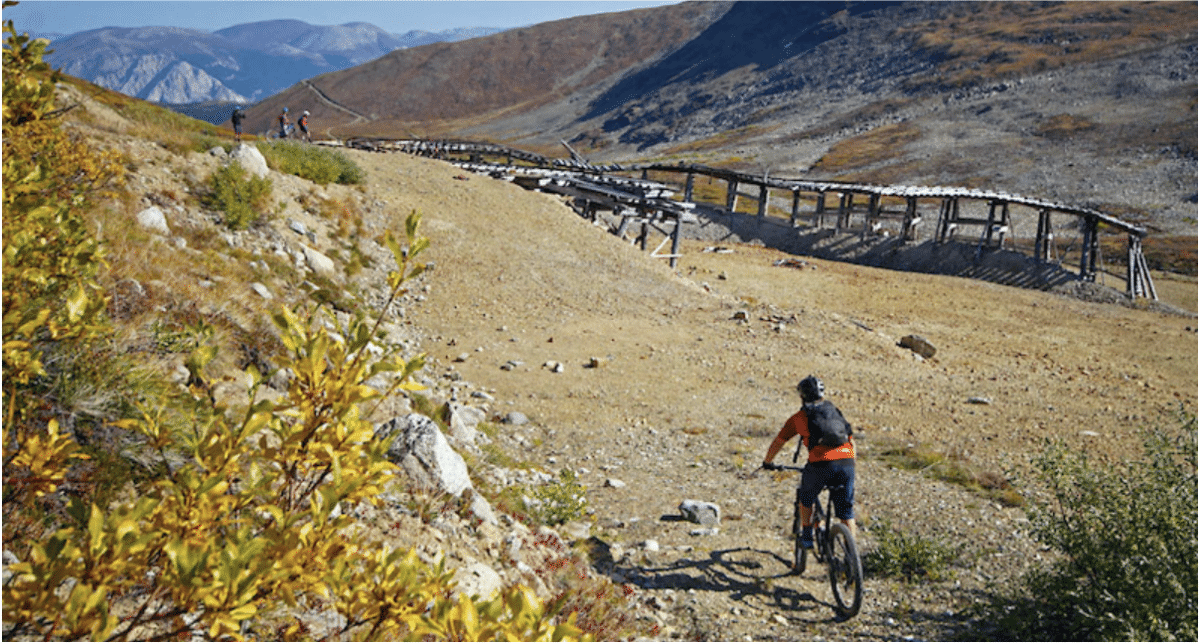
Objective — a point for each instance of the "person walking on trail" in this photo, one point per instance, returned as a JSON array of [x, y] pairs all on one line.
[[284, 121], [303, 125], [237, 117], [824, 431]]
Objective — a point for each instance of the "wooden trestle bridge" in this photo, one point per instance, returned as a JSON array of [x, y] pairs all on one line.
[[842, 206]]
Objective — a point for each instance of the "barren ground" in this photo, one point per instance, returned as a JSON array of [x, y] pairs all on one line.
[[685, 397]]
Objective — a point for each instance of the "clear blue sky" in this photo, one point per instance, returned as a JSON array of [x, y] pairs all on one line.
[[53, 16]]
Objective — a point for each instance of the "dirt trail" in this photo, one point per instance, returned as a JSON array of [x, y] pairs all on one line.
[[685, 396]]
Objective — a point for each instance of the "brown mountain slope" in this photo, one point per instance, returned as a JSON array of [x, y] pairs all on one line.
[[1089, 103], [512, 70]]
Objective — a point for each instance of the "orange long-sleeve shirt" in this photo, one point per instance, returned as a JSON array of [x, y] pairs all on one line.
[[797, 425]]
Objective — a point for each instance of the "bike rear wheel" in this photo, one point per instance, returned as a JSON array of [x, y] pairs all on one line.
[[845, 570]]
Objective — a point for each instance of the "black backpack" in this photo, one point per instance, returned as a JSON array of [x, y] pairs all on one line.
[[826, 425]]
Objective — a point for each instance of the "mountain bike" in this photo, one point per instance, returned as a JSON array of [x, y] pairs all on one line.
[[833, 545]]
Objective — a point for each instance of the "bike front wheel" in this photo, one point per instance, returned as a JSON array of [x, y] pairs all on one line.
[[845, 570]]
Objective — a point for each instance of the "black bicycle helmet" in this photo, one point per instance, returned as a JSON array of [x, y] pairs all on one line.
[[811, 389]]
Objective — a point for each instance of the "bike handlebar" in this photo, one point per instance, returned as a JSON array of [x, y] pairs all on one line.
[[783, 467]]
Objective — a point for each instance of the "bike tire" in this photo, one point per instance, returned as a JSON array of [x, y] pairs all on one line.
[[820, 526], [799, 553], [845, 571]]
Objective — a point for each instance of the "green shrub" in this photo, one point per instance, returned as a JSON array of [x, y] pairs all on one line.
[[1127, 536], [315, 163], [240, 195], [909, 556], [561, 501]]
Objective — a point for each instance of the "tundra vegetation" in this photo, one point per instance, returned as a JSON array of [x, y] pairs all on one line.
[[224, 527], [234, 527]]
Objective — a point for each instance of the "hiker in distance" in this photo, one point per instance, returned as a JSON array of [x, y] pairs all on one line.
[[237, 117], [284, 121], [824, 431], [303, 125]]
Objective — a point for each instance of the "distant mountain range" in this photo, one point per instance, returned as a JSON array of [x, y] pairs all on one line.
[[240, 64]]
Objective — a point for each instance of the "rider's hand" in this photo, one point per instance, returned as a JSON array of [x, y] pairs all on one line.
[[767, 465]]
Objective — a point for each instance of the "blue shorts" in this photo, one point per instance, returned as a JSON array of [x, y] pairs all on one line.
[[820, 474]]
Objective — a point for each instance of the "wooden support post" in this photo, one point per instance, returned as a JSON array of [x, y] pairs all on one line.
[[908, 229], [991, 223], [874, 205], [845, 207], [645, 234], [675, 236], [764, 194], [947, 218], [731, 196], [820, 218], [1132, 270], [1091, 244], [795, 205], [621, 229], [1005, 224], [1040, 247], [687, 186]]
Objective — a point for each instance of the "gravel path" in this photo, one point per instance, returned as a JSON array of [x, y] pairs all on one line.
[[694, 373]]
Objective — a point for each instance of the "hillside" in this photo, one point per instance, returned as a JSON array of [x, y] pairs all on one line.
[[1088, 103], [685, 390]]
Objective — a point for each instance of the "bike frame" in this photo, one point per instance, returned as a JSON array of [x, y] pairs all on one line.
[[834, 545]]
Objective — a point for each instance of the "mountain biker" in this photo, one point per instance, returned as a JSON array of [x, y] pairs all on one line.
[[283, 123], [827, 466], [303, 124]]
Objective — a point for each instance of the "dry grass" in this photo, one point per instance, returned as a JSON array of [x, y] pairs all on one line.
[[872, 147], [983, 42]]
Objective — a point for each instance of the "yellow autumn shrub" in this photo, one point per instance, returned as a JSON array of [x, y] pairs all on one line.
[[243, 535]]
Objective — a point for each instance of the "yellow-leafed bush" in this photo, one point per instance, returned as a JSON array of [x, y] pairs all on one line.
[[250, 525], [238, 531]]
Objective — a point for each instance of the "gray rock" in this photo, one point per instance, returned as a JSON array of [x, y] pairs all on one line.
[[217, 151], [421, 450], [483, 510], [154, 220], [918, 345], [262, 290], [516, 418], [251, 159], [319, 262], [702, 512], [478, 580], [297, 227], [464, 421]]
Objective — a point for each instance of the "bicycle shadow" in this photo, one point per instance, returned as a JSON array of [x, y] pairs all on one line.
[[742, 573]]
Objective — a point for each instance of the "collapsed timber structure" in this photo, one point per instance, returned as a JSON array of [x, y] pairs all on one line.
[[642, 205]]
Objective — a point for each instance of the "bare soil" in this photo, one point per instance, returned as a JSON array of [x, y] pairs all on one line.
[[674, 381]]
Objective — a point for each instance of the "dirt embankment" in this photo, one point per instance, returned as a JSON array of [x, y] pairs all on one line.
[[696, 369]]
